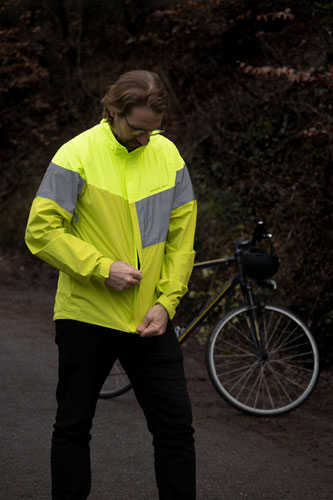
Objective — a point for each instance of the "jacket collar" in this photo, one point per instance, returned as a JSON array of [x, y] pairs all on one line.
[[114, 144]]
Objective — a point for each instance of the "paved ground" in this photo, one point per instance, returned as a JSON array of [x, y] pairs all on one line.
[[289, 457]]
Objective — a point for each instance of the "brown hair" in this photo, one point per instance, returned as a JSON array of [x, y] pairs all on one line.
[[135, 88]]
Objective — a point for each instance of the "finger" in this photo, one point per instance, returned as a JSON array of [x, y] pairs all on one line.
[[130, 281], [151, 333], [134, 270], [152, 328], [125, 285], [137, 275], [144, 325]]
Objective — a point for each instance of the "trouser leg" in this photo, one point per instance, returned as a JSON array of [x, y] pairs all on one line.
[[83, 368], [155, 367]]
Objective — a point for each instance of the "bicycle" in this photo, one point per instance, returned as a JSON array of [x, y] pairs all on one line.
[[261, 358]]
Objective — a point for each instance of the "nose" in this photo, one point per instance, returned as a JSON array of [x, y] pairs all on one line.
[[143, 139]]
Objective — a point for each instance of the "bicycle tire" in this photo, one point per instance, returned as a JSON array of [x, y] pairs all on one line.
[[116, 384], [263, 387]]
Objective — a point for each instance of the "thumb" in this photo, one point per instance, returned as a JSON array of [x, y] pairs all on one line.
[[143, 325]]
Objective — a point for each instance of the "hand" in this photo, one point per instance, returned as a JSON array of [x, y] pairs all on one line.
[[122, 276], [154, 323]]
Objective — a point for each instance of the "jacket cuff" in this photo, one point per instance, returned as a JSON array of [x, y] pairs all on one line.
[[104, 269], [167, 304]]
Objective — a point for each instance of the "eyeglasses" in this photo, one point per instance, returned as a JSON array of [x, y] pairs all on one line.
[[137, 132]]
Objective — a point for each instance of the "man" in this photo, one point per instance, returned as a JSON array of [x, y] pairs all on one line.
[[115, 213]]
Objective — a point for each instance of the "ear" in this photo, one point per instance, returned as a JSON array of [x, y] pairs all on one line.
[[112, 115]]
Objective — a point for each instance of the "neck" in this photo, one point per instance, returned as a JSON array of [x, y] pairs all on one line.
[[127, 146]]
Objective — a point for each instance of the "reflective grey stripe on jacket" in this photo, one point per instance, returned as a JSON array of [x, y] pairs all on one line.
[[62, 186], [155, 210], [183, 189]]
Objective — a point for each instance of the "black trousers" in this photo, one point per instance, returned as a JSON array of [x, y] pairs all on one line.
[[155, 368]]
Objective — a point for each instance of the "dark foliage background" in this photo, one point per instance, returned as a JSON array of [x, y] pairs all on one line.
[[251, 85]]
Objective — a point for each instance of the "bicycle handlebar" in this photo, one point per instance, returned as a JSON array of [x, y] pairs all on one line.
[[260, 232]]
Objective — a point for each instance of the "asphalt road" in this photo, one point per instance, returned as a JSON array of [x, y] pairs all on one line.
[[238, 456]]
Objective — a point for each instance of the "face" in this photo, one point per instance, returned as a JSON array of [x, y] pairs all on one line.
[[139, 118]]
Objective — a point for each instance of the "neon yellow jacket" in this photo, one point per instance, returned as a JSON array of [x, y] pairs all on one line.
[[99, 203]]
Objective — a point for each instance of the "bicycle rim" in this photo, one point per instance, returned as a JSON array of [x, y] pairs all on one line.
[[263, 387], [117, 382]]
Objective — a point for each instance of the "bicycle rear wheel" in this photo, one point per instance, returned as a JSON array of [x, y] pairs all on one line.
[[117, 382], [260, 385]]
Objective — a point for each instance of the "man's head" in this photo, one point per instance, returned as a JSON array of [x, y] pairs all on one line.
[[134, 107]]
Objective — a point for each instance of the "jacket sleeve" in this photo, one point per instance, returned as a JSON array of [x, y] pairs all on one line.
[[179, 254], [48, 232]]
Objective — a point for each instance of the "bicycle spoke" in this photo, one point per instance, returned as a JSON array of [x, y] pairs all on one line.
[[291, 382], [259, 389], [293, 347], [280, 385], [293, 365], [244, 335], [273, 332], [293, 340], [249, 355], [282, 332], [280, 401], [268, 391], [233, 346], [230, 361], [246, 368], [249, 374], [293, 356], [252, 389]]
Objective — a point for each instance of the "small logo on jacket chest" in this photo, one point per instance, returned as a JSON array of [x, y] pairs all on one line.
[[159, 188]]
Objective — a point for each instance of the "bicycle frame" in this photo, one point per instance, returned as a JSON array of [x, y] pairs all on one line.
[[246, 289], [228, 288]]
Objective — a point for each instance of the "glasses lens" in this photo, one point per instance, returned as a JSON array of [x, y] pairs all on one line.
[[156, 132], [137, 133]]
